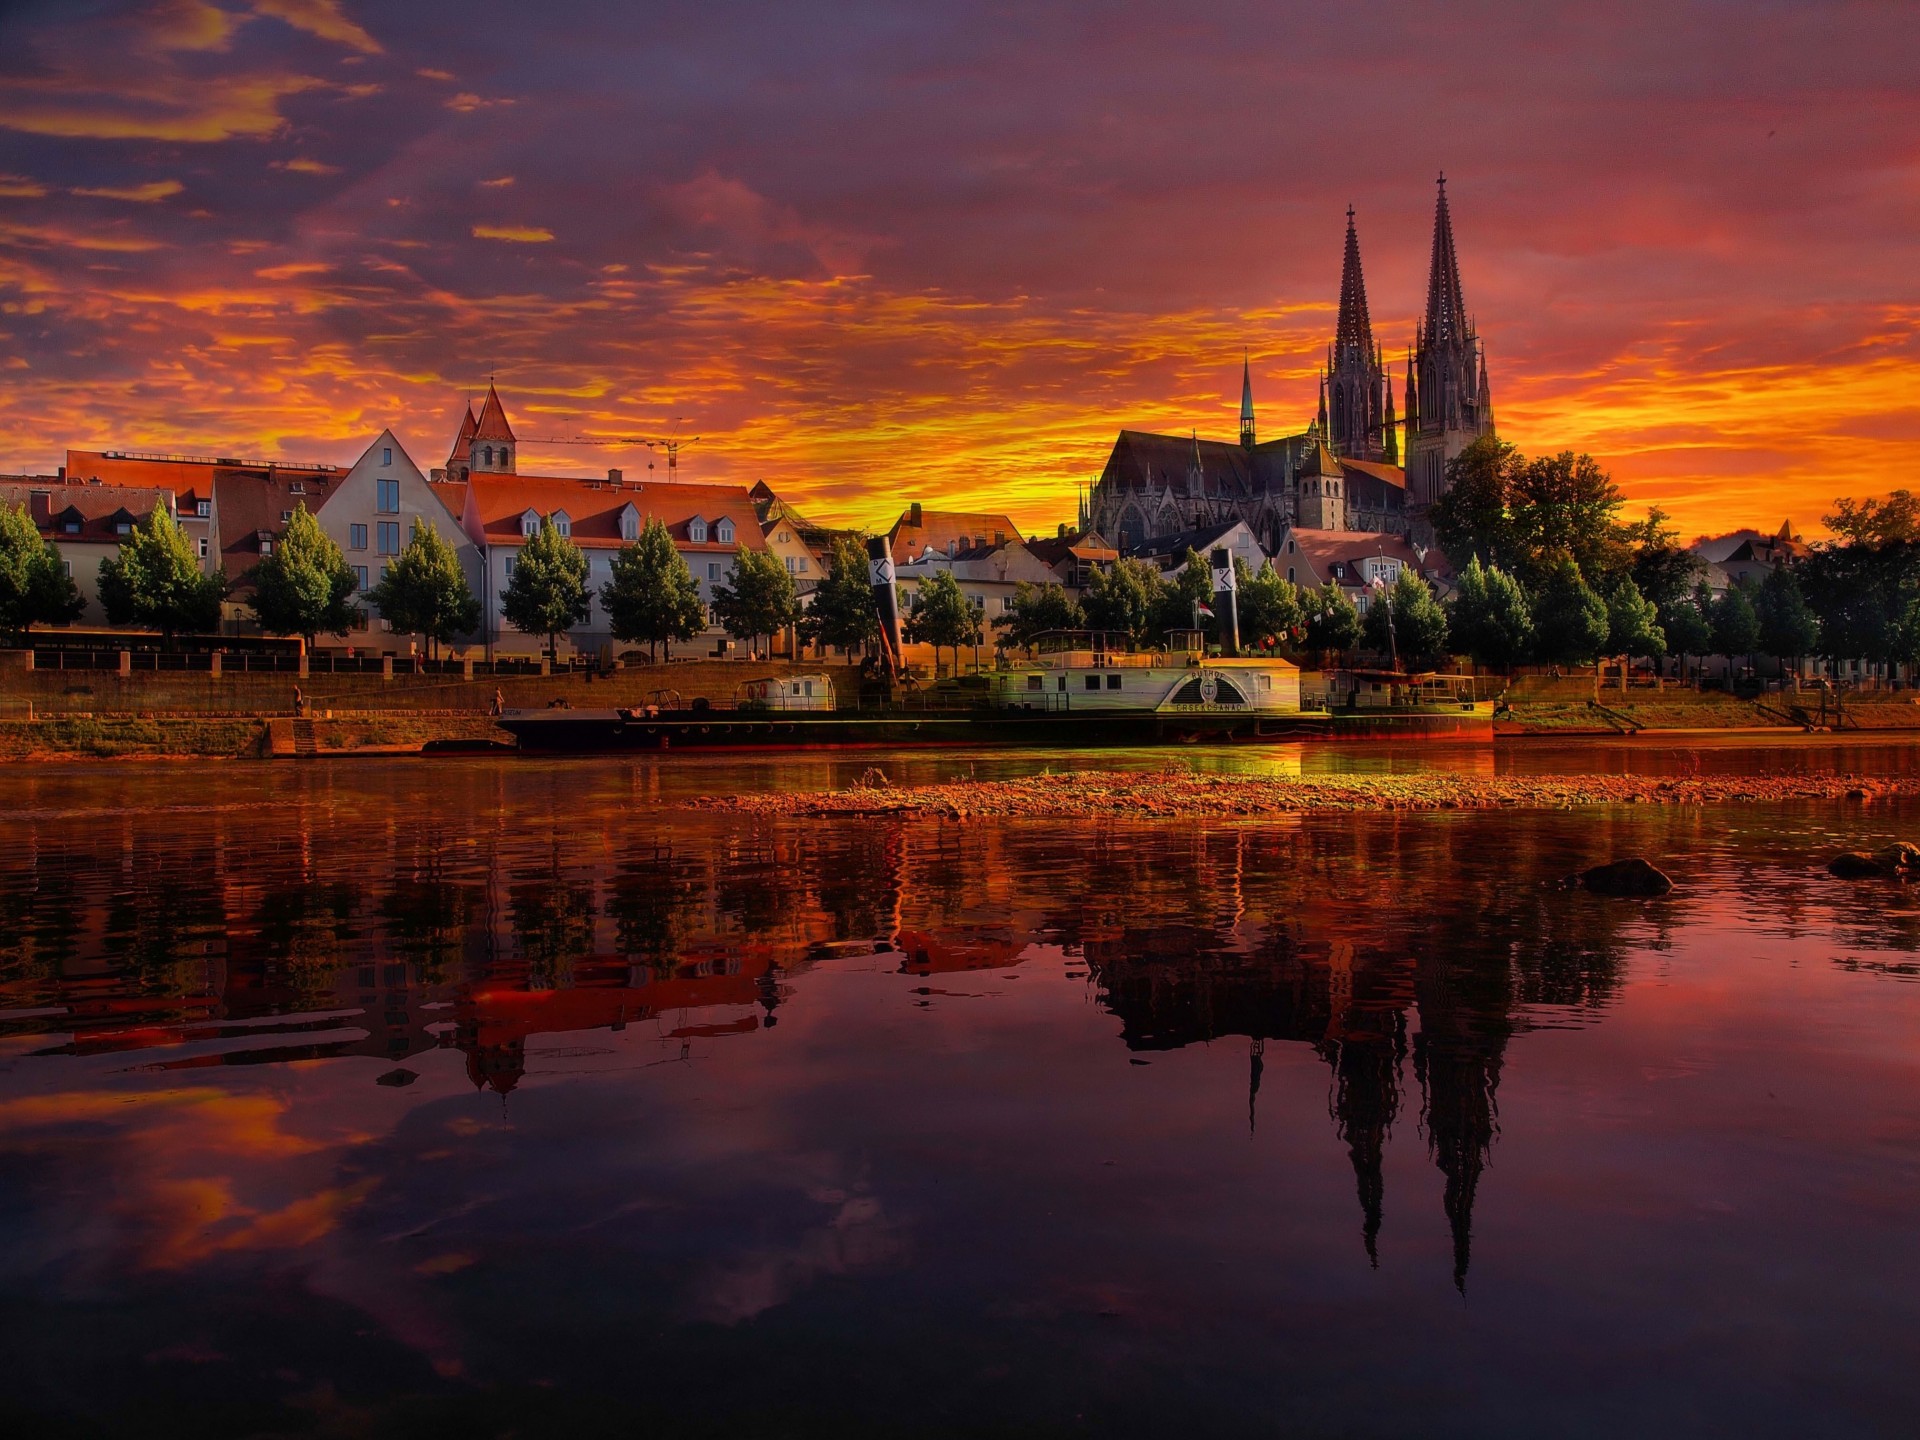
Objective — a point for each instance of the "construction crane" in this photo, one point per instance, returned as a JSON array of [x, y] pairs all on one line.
[[672, 445]]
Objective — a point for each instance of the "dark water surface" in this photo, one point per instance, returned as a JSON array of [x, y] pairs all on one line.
[[487, 1098]]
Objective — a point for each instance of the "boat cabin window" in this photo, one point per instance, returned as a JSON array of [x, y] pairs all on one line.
[[1093, 682], [1063, 682], [1113, 682], [1036, 682], [1263, 682]]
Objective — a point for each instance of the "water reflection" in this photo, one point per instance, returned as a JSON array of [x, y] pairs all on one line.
[[1397, 971]]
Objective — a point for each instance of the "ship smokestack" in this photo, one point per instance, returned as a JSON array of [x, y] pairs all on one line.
[[1226, 601], [886, 603]]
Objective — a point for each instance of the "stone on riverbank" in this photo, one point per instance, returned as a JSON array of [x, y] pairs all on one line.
[[1891, 862], [1632, 878]]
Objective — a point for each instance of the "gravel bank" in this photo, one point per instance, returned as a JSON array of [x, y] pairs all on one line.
[[1177, 793]]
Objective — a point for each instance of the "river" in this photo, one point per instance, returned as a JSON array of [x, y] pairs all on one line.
[[487, 1097]]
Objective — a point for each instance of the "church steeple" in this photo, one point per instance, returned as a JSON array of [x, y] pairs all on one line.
[[1449, 402], [1356, 413], [1246, 401]]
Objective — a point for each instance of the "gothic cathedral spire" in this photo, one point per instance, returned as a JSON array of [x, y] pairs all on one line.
[[1246, 402], [1449, 402], [1357, 404]]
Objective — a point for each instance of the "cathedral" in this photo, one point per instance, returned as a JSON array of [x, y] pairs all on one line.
[[1344, 471]]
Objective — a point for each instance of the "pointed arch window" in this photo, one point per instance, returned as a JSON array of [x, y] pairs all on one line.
[[629, 524]]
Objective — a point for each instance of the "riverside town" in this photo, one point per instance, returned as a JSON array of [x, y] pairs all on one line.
[[765, 721]]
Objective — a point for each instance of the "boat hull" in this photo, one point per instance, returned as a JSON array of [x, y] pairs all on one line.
[[578, 732]]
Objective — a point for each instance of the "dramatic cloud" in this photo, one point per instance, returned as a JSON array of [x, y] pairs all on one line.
[[909, 250]]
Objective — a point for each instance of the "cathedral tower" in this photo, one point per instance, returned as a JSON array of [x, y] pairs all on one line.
[[1449, 404], [490, 451], [1357, 404]]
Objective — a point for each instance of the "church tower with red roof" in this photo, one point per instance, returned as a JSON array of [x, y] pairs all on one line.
[[490, 451]]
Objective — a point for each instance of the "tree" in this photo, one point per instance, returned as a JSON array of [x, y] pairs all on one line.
[[1491, 621], [305, 585], [35, 588], [1333, 621], [1686, 626], [1570, 622], [547, 591], [652, 597], [1903, 641], [155, 581], [759, 599], [1566, 505], [1419, 630], [1038, 609], [841, 610], [943, 616], [1173, 606], [1736, 627], [1788, 627], [1892, 521], [1270, 613], [425, 592], [1120, 598], [1663, 570], [1633, 623], [1471, 520]]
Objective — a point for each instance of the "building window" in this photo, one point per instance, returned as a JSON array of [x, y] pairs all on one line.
[[724, 532], [356, 537], [529, 525], [697, 531], [386, 497], [793, 566], [785, 538], [266, 547], [713, 570], [72, 527], [803, 564], [203, 547], [123, 528], [510, 567], [203, 508], [360, 577], [389, 537], [386, 455], [285, 516], [629, 527], [68, 565], [563, 523]]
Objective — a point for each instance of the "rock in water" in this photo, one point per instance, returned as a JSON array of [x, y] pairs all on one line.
[[1890, 862], [1855, 865], [402, 1076], [1630, 877], [1897, 857]]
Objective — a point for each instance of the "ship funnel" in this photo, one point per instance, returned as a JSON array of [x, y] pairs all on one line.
[[1226, 601], [886, 603]]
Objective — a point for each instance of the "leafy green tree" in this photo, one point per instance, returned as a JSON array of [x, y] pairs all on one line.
[[1270, 613], [652, 597], [1333, 621], [943, 617], [1903, 643], [155, 581], [1633, 623], [1570, 622], [425, 592], [1663, 570], [305, 585], [1685, 624], [1892, 521], [1788, 627], [1491, 621], [1566, 505], [1736, 626], [1120, 598], [1173, 605], [1418, 635], [547, 592], [841, 611], [1472, 520], [35, 588], [760, 598], [1038, 609]]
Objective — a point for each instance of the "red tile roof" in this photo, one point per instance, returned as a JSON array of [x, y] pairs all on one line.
[[248, 506], [594, 507], [493, 419], [99, 510], [963, 529]]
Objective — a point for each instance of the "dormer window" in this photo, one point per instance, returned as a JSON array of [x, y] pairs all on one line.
[[125, 527], [203, 508], [266, 547], [563, 522], [723, 532], [530, 523], [697, 531], [72, 527], [629, 524]]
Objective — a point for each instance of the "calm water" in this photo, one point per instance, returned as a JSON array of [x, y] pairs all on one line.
[[491, 1098]]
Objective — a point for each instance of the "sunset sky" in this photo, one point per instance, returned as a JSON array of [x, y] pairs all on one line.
[[875, 252]]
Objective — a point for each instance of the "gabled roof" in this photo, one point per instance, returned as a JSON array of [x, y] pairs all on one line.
[[1086, 546], [248, 507], [1386, 474], [1324, 549], [492, 424], [940, 529], [468, 425], [1198, 540], [595, 508], [99, 509]]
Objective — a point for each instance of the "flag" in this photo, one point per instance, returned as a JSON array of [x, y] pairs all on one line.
[[1203, 610]]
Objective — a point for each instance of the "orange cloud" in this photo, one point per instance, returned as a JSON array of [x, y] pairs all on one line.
[[518, 234], [242, 107], [301, 165], [19, 187], [321, 18], [499, 184], [466, 103], [140, 194]]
